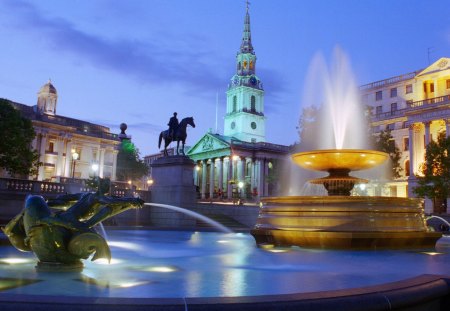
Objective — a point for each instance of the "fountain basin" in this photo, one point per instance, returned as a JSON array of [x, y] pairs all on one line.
[[182, 270], [343, 222]]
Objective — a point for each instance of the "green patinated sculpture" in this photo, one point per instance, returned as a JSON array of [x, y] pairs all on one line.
[[66, 236]]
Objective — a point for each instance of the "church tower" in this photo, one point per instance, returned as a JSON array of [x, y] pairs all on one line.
[[244, 117], [47, 98]]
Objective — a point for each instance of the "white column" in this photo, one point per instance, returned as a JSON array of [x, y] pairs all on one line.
[[211, 178], [229, 177], [220, 180], [203, 190], [252, 175], [241, 169], [59, 168], [411, 150], [114, 168], [260, 167], [102, 162], [42, 147], [427, 133], [266, 173], [68, 164]]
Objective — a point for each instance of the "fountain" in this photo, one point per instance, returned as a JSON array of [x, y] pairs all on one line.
[[190, 270], [341, 221]]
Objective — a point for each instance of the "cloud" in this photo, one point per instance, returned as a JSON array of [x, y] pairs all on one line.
[[144, 61]]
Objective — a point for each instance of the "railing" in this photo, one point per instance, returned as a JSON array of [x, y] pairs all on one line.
[[414, 106], [430, 101], [392, 80], [31, 186], [24, 186]]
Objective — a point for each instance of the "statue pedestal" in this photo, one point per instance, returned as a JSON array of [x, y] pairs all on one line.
[[173, 184]]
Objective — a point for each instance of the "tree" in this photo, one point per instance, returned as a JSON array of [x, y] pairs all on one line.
[[16, 155], [435, 182], [129, 166], [385, 142]]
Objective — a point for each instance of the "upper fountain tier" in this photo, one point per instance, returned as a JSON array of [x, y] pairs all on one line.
[[338, 159]]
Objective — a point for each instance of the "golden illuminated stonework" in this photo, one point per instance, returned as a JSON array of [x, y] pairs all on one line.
[[339, 220]]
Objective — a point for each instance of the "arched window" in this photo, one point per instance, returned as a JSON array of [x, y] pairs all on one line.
[[407, 168], [251, 65], [239, 66], [253, 103], [234, 103]]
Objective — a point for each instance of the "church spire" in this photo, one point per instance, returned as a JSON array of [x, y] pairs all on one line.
[[246, 45]]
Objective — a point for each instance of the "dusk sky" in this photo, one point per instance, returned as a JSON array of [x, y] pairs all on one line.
[[139, 61]]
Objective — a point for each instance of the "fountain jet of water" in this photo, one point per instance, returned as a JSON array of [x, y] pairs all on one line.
[[201, 217]]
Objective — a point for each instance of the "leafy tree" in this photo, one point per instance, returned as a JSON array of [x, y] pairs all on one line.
[[385, 142], [435, 182], [16, 155], [129, 165]]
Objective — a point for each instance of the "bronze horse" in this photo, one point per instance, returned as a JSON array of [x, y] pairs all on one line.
[[180, 134]]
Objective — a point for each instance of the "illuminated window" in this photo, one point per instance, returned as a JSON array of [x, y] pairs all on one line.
[[448, 83], [379, 95], [251, 64], [432, 87], [253, 103], [234, 103], [407, 168], [394, 92], [409, 89], [379, 110]]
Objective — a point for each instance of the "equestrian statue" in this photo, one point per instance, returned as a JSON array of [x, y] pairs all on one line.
[[176, 132]]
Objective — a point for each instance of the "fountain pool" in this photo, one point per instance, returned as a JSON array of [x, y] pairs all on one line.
[[179, 264]]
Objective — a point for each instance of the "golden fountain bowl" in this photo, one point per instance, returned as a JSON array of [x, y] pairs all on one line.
[[329, 159]]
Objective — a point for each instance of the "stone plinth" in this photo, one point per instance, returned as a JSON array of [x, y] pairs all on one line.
[[173, 184], [173, 181]]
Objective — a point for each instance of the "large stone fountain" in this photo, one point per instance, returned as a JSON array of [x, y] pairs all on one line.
[[339, 220]]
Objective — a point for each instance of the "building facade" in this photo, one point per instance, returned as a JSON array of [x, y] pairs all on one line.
[[67, 147], [239, 162], [416, 108]]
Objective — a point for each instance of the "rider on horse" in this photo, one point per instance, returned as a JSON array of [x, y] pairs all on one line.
[[173, 124]]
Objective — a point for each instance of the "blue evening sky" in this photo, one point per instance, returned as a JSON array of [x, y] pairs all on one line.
[[138, 61]]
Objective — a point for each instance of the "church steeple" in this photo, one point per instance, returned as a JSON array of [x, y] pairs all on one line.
[[246, 45], [245, 96]]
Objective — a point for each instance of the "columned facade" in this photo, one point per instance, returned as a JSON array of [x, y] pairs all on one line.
[[415, 107], [58, 138]]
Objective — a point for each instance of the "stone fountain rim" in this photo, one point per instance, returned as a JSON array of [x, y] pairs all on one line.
[[408, 293]]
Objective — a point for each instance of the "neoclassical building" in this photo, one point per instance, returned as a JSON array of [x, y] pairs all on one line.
[[69, 147], [241, 156], [416, 107]]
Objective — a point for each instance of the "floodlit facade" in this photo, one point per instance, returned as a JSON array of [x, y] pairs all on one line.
[[69, 147], [239, 163], [416, 108]]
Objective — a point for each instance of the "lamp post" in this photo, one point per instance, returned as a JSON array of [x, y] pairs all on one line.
[[74, 162], [240, 185], [94, 167], [149, 183]]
